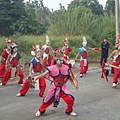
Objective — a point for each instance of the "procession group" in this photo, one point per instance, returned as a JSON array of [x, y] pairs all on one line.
[[56, 68]]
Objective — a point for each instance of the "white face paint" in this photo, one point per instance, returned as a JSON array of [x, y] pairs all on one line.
[[39, 55], [60, 61], [66, 44], [8, 47], [84, 45], [47, 43], [15, 49]]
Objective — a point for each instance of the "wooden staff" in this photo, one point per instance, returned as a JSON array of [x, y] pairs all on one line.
[[74, 80], [112, 66]]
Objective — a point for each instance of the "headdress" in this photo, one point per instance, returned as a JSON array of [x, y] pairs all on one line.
[[66, 39], [47, 39], [59, 54], [84, 43], [13, 45], [35, 48], [118, 35], [8, 41]]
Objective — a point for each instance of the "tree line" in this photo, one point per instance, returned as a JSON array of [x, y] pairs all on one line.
[[82, 17]]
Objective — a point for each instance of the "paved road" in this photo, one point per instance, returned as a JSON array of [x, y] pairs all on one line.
[[95, 100]]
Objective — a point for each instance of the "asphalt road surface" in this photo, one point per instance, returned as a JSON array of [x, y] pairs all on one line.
[[95, 100]]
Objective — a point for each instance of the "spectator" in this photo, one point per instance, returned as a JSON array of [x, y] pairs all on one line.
[[104, 47]]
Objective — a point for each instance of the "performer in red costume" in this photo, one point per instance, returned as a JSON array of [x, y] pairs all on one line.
[[117, 41], [35, 68], [67, 49], [46, 52], [116, 62], [4, 56], [13, 66], [58, 89], [83, 59]]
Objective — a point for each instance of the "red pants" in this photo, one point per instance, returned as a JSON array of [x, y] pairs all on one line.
[[116, 73], [83, 67], [67, 98], [42, 85], [2, 70], [7, 76], [45, 60], [66, 57]]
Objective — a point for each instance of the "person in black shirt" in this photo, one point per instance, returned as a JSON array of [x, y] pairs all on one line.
[[104, 47]]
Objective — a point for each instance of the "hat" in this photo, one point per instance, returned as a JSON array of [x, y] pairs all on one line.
[[47, 39], [8, 40], [84, 43], [66, 39], [13, 45], [59, 54], [118, 35]]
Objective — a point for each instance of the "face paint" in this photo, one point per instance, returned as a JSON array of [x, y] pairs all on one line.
[[47, 43], [15, 49], [66, 44], [84, 45], [60, 61], [39, 55], [8, 47]]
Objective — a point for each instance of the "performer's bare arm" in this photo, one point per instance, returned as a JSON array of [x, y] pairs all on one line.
[[62, 49], [30, 69], [76, 56], [1, 60], [51, 49], [43, 69], [7, 62], [111, 55], [41, 75], [74, 52]]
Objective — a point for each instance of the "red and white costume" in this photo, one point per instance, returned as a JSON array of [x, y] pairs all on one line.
[[37, 68], [116, 62], [4, 56], [46, 55], [14, 63], [66, 51], [83, 60], [58, 89]]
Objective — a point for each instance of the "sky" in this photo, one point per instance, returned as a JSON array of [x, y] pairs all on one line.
[[55, 3]]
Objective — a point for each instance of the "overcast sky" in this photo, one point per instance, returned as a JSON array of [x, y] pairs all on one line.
[[55, 3]]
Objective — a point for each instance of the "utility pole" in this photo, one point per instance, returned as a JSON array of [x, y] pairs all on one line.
[[117, 16]]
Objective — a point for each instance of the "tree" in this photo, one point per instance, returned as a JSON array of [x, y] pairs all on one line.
[[74, 4], [10, 12], [110, 6], [27, 25], [92, 4]]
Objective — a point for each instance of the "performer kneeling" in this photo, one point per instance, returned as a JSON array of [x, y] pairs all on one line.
[[58, 89], [36, 66]]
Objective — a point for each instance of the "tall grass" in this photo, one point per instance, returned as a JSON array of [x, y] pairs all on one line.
[[25, 45], [81, 21]]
